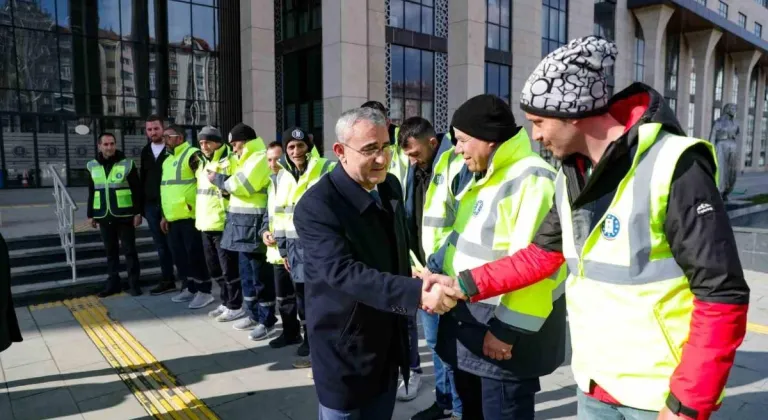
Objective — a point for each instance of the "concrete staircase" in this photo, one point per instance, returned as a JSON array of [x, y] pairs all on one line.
[[40, 273]]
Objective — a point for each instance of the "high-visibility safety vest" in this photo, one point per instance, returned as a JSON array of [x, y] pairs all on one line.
[[289, 192], [399, 165], [629, 303], [111, 192], [178, 184], [493, 221], [273, 254], [439, 213], [211, 204]]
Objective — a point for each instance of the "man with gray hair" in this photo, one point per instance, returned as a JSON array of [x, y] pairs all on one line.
[[359, 289]]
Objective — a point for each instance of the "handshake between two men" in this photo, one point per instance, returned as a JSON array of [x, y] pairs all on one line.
[[439, 293]]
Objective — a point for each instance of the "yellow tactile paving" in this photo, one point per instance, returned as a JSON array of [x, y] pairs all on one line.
[[757, 328], [156, 389]]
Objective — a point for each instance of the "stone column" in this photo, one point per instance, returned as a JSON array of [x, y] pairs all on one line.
[[759, 109], [257, 37], [345, 61], [526, 25], [702, 44], [744, 62], [581, 18], [684, 85], [727, 79], [653, 21], [377, 51], [466, 51]]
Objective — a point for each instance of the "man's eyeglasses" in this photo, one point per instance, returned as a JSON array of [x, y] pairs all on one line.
[[373, 152]]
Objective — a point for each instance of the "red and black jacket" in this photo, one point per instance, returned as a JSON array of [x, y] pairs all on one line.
[[703, 246]]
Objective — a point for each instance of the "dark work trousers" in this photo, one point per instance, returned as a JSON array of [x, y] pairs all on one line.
[[153, 215], [224, 268], [413, 343], [114, 234], [187, 249], [257, 279], [286, 301], [485, 398]]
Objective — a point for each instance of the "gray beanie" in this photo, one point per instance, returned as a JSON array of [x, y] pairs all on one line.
[[210, 133], [570, 82]]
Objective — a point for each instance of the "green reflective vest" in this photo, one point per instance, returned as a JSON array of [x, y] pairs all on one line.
[[178, 184], [498, 215], [629, 303], [439, 212], [248, 184], [111, 192], [211, 204], [289, 192], [399, 165], [273, 254]]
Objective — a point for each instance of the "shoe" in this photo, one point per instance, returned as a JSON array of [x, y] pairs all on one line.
[[303, 350], [245, 324], [231, 315], [108, 292], [135, 291], [303, 363], [261, 332], [201, 300], [434, 412], [218, 311], [184, 296], [282, 341], [163, 288], [414, 382]]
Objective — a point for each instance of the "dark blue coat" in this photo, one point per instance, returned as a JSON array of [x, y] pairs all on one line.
[[358, 289]]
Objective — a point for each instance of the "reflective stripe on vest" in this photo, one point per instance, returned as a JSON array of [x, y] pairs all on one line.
[[178, 189], [289, 192], [250, 181], [111, 192], [211, 204], [482, 234], [439, 212], [629, 303]]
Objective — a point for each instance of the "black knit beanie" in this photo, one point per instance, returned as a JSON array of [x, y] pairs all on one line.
[[487, 118], [242, 132], [295, 133]]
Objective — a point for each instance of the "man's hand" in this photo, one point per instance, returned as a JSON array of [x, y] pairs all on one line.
[[92, 222], [287, 265], [268, 238], [667, 414], [495, 348], [164, 225], [211, 175], [420, 274], [137, 220], [438, 299]]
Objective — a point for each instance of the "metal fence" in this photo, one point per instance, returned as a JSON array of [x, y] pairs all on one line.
[[65, 212]]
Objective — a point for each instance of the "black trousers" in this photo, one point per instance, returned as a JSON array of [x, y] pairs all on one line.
[[188, 256], [493, 399], [223, 267], [286, 301], [113, 234]]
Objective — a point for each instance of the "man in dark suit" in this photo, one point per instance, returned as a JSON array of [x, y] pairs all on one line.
[[359, 288]]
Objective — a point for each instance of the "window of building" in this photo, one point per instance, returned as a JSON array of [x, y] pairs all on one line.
[[691, 116], [639, 53], [735, 86], [413, 80], [301, 17], [763, 140], [719, 82], [723, 9], [497, 26], [672, 61], [749, 140], [758, 30], [413, 15], [743, 20], [554, 25], [753, 92], [702, 2], [692, 84], [497, 80]]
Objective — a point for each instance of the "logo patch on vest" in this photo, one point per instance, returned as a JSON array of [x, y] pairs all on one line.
[[175, 163], [611, 227], [478, 208], [704, 208], [119, 176], [438, 179]]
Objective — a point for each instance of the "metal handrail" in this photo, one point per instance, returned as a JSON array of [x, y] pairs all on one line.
[[65, 212]]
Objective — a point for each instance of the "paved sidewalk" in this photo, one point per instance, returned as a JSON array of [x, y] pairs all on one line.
[[58, 371]]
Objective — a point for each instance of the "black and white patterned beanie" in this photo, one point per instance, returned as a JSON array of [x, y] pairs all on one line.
[[570, 82]]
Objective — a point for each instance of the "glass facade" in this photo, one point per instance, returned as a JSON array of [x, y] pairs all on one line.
[[413, 81], [497, 26], [497, 80], [103, 63], [413, 15], [554, 25], [639, 53]]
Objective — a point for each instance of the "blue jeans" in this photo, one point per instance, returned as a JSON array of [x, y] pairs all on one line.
[[446, 395], [153, 216], [380, 408], [593, 409], [257, 279], [486, 398]]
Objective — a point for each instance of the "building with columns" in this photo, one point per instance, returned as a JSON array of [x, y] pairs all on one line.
[[278, 63]]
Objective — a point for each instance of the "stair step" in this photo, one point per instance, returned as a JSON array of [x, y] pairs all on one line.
[[54, 254], [85, 268], [47, 241]]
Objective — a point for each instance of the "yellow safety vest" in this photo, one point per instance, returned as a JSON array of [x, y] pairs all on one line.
[[248, 184], [399, 165], [111, 193], [499, 215], [178, 185], [439, 212], [211, 204], [273, 254], [629, 303], [289, 192]]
